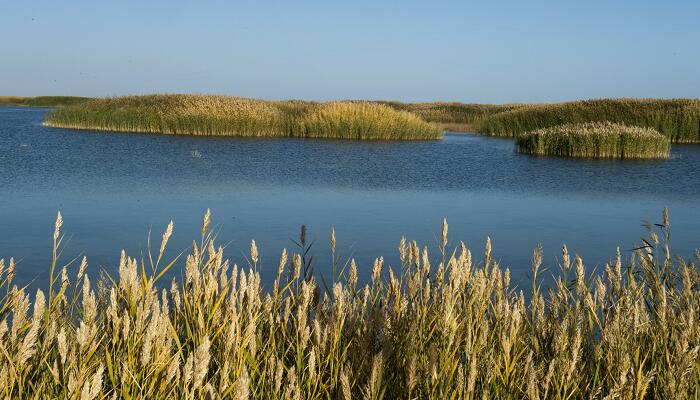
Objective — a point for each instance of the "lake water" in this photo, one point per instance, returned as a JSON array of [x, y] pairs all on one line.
[[113, 187]]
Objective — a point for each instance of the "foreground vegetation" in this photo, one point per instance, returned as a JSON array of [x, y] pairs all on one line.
[[232, 116], [42, 101], [595, 140], [678, 119], [447, 327]]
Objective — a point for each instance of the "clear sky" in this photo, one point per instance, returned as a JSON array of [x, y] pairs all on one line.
[[490, 51]]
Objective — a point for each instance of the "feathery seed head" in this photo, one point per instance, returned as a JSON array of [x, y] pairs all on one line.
[[444, 232], [57, 226], [166, 236], [205, 222], [253, 252]]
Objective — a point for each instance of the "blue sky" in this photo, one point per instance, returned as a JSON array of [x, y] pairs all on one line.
[[491, 51]]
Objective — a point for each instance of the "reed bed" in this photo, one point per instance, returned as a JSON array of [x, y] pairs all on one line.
[[232, 116], [441, 327], [678, 119], [595, 140]]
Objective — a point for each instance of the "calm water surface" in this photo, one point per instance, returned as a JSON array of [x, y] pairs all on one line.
[[113, 187]]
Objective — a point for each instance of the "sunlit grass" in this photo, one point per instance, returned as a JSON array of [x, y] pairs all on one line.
[[595, 140], [448, 326]]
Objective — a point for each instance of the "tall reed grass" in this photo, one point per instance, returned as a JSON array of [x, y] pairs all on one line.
[[595, 140], [232, 116], [678, 119], [450, 326]]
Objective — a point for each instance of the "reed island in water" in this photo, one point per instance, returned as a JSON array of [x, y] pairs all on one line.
[[606, 128], [234, 116], [595, 140]]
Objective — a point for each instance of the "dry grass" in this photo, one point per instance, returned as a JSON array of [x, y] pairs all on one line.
[[678, 119], [595, 140], [447, 327], [232, 116]]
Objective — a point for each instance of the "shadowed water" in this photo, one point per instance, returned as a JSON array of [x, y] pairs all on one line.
[[113, 187]]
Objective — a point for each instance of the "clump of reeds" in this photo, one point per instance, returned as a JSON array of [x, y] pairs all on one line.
[[595, 140], [365, 120], [678, 119], [233, 116], [449, 326]]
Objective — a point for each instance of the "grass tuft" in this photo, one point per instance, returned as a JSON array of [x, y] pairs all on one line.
[[595, 140]]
